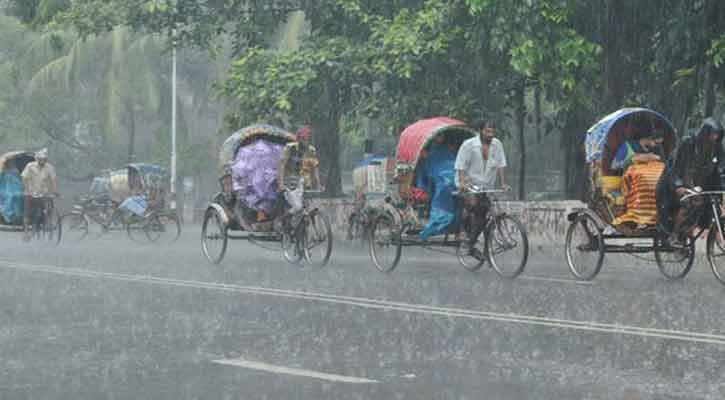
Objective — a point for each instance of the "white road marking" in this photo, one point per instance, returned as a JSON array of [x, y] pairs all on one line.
[[558, 280], [555, 323], [259, 366]]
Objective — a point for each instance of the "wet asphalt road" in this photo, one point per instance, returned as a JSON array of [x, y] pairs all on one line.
[[113, 320]]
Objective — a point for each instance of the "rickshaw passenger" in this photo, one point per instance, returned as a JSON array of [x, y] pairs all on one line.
[[695, 162], [136, 203], [39, 179], [11, 194], [437, 178], [646, 149], [641, 163]]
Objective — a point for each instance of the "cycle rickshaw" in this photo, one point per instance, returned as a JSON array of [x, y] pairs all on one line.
[[45, 222], [595, 230], [248, 164], [403, 215], [138, 183]]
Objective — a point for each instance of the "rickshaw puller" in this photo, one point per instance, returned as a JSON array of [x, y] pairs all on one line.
[[39, 180], [695, 162], [480, 160], [299, 166]]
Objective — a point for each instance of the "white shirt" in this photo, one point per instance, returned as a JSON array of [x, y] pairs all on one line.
[[476, 170]]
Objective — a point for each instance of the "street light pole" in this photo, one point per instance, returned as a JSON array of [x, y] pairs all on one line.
[[173, 123]]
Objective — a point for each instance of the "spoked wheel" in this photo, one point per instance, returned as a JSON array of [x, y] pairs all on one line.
[[136, 231], [674, 260], [53, 230], [472, 260], [291, 249], [716, 255], [317, 239], [76, 226], [214, 237], [385, 243], [163, 228], [584, 247], [507, 245]]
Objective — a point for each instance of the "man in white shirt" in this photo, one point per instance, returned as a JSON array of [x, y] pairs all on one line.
[[39, 179], [480, 160]]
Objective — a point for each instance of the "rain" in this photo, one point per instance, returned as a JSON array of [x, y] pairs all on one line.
[[356, 199]]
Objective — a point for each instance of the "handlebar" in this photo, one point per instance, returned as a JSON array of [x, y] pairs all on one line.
[[693, 193], [45, 195]]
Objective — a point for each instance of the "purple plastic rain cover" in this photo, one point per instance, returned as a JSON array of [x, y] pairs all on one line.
[[254, 174]]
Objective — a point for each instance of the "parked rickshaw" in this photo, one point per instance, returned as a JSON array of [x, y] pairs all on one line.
[[596, 230], [248, 164], [45, 223], [404, 213], [102, 205]]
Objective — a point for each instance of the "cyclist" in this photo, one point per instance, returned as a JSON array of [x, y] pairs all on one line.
[[39, 181], [480, 160], [695, 162]]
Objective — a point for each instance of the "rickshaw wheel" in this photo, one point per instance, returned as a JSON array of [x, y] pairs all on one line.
[[214, 237], [584, 247], [163, 226], [53, 232], [468, 261], [385, 243], [716, 255], [317, 239], [77, 226], [674, 262], [507, 245], [135, 229]]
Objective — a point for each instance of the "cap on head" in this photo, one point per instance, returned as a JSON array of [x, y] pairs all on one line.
[[42, 154]]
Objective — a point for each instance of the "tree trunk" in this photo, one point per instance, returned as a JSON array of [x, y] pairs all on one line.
[[327, 138], [520, 127], [537, 112], [611, 56], [131, 133], [709, 89]]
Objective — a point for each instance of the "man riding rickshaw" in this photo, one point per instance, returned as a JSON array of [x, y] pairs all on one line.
[[427, 208], [28, 187], [695, 164]]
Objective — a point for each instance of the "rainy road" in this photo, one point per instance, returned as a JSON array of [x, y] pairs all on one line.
[[112, 320]]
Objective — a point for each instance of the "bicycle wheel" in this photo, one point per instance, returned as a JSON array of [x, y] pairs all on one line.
[[674, 261], [76, 226], [385, 243], [317, 239], [291, 248], [163, 228], [472, 260], [584, 247], [214, 237], [136, 230], [507, 245], [716, 255]]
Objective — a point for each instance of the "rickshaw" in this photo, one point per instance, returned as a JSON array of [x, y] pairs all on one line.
[[248, 163], [153, 223], [404, 213], [591, 233], [369, 178], [45, 224]]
